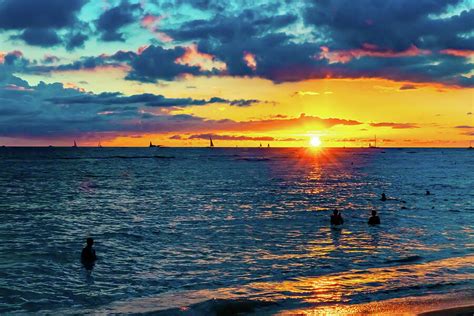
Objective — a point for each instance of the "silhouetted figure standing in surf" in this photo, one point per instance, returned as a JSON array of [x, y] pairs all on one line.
[[336, 218], [374, 219], [383, 198], [88, 256]]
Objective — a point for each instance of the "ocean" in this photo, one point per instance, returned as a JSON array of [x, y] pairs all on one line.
[[201, 231]]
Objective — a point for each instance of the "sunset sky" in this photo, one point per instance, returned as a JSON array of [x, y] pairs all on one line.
[[128, 72]]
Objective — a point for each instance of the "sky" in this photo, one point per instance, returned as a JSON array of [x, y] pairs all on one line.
[[127, 72]]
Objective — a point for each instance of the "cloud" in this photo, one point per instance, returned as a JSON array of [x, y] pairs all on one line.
[[40, 37], [76, 40], [395, 125], [64, 111], [408, 87], [156, 63], [464, 126], [112, 20], [146, 99], [27, 14], [232, 137]]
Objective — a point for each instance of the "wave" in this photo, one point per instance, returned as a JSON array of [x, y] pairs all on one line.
[[253, 159], [112, 157], [218, 307], [405, 259]]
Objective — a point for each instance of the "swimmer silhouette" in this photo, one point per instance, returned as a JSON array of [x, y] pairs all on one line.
[[88, 256], [374, 219], [428, 192], [336, 218], [384, 197]]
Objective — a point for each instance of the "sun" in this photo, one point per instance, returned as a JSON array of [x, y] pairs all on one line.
[[315, 141]]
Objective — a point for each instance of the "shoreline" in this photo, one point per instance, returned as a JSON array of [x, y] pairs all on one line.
[[452, 304]]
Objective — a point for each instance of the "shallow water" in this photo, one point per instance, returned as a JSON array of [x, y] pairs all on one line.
[[176, 228]]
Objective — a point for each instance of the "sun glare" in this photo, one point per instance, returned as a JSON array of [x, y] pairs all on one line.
[[315, 141]]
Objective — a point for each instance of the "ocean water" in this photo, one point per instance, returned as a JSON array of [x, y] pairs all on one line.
[[220, 231]]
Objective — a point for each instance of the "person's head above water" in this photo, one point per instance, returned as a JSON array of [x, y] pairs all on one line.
[[90, 242], [335, 212], [374, 213]]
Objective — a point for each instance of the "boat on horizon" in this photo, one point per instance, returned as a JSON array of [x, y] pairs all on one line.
[[100, 145], [151, 145], [75, 145], [375, 143], [211, 144]]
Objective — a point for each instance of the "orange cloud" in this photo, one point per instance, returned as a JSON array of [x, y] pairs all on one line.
[[458, 52], [151, 22], [249, 59], [193, 57], [394, 125]]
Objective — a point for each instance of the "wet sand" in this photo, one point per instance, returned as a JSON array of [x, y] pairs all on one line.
[[431, 305]]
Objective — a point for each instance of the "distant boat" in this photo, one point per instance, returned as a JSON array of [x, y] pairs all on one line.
[[375, 146], [260, 145], [100, 145], [75, 145], [268, 145], [151, 145], [211, 144], [470, 145]]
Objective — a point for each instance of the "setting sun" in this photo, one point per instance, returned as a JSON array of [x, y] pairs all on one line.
[[315, 141]]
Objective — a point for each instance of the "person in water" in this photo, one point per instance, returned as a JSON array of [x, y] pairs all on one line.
[[428, 192], [383, 198], [336, 218], [374, 219], [88, 256]]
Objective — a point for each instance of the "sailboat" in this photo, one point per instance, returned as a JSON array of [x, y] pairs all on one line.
[[151, 145], [470, 145], [375, 146], [75, 145], [100, 145], [211, 144]]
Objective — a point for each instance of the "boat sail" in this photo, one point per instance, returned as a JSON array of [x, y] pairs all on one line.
[[211, 144], [75, 145], [375, 140]]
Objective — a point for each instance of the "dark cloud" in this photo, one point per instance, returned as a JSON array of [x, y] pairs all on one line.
[[408, 87], [146, 99], [248, 23], [231, 137], [24, 14], [394, 125], [395, 25], [76, 40], [111, 21], [156, 63], [464, 126], [40, 37]]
